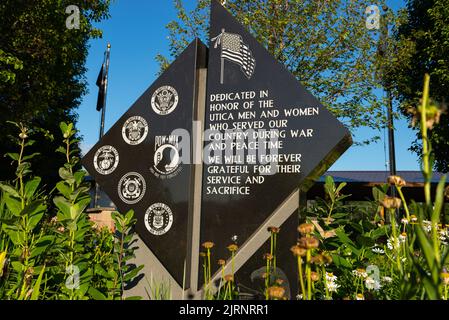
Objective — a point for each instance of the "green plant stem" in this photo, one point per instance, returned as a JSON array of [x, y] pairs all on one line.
[[425, 146], [395, 239], [301, 277], [308, 274], [407, 212]]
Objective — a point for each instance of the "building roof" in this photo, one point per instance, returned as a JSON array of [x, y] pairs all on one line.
[[378, 176]]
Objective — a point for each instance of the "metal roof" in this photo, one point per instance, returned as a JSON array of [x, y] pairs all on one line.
[[378, 176]]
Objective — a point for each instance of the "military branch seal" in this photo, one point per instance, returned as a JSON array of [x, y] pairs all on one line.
[[131, 188], [135, 130], [158, 219], [106, 160], [164, 100]]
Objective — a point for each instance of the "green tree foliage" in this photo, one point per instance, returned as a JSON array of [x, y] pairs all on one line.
[[422, 46], [42, 66], [325, 44]]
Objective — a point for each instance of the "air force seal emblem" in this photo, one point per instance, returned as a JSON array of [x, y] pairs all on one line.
[[164, 100], [106, 160], [135, 130], [158, 219]]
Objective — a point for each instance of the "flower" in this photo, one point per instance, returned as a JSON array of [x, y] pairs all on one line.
[[393, 244], [330, 277], [391, 202], [268, 256], [229, 277], [274, 229], [360, 272], [332, 286], [404, 221], [378, 250], [221, 262], [387, 279], [360, 297], [402, 237], [233, 247], [306, 228], [299, 297], [298, 251], [397, 181], [276, 292], [308, 242], [279, 281], [208, 245], [413, 218], [372, 284], [445, 278], [427, 225], [315, 276], [318, 259]]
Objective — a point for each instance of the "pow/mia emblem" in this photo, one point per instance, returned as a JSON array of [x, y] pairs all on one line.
[[106, 160], [131, 188], [158, 219], [164, 100], [166, 160], [135, 130]]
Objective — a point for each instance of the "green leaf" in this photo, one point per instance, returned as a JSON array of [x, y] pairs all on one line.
[[340, 261], [439, 200], [66, 175], [95, 294], [426, 247], [14, 205], [31, 187], [132, 274], [134, 298], [9, 190], [35, 211], [31, 156], [64, 188], [37, 285], [63, 127], [42, 245], [63, 206], [13, 156]]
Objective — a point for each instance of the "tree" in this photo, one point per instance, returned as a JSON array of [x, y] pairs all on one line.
[[325, 44], [42, 66], [422, 46]]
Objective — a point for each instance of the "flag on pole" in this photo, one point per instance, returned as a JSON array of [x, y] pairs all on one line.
[[235, 50], [101, 87]]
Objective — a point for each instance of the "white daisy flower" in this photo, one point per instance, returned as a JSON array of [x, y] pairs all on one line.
[[378, 250], [387, 279], [372, 284], [404, 221]]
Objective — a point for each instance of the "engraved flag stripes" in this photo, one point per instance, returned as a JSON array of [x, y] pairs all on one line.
[[235, 50]]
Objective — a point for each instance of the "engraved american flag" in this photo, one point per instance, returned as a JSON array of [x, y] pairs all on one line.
[[234, 49]]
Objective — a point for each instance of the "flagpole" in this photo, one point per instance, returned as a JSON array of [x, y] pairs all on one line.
[[222, 71], [103, 113], [103, 110]]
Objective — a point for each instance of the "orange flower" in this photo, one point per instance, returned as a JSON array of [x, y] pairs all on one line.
[[233, 247], [229, 277], [397, 181], [306, 228], [298, 251], [276, 292], [391, 202], [208, 245], [308, 242], [221, 262], [274, 229]]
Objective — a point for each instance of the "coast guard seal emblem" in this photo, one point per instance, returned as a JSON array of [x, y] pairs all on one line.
[[158, 219], [131, 188], [106, 160], [135, 130], [164, 100]]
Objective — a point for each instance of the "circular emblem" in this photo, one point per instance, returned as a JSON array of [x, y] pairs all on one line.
[[131, 188], [158, 219], [166, 159], [135, 130], [106, 160], [164, 100]]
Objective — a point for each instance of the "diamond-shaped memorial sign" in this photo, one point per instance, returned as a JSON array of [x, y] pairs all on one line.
[[267, 136], [140, 163]]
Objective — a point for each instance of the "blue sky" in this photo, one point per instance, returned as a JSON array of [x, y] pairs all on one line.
[[137, 33]]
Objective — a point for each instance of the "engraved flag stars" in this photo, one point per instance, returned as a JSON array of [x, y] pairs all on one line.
[[235, 50]]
